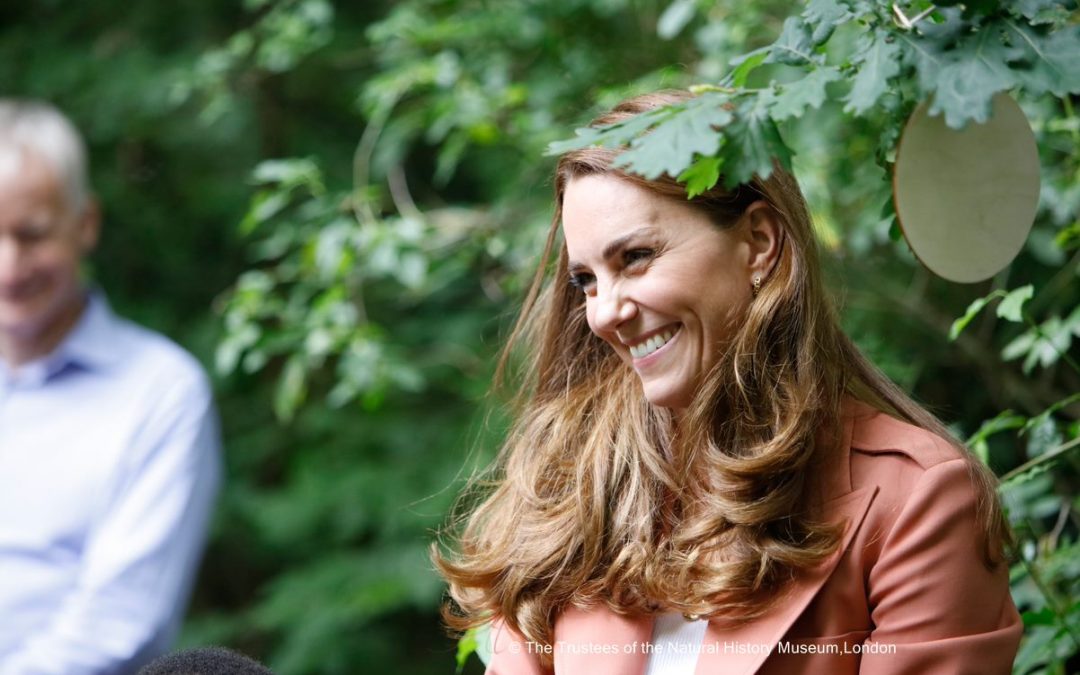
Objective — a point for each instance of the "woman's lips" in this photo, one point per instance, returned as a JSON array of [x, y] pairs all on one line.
[[646, 361]]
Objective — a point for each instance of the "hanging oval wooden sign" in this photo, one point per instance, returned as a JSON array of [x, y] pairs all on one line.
[[966, 199]]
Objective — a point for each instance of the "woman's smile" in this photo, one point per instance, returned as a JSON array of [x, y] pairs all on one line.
[[648, 351]]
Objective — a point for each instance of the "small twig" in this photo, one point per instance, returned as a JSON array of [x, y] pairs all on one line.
[[1071, 115], [1047, 456], [363, 212], [1061, 279], [1059, 526], [400, 195], [904, 22]]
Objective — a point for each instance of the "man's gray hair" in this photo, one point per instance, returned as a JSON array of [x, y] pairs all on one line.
[[39, 128]]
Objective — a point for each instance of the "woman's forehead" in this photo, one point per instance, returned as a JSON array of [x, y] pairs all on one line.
[[599, 208]]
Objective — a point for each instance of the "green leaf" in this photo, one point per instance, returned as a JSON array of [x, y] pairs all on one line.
[[1068, 237], [809, 92], [609, 136], [1042, 347], [291, 389], [675, 17], [1072, 322], [264, 205], [232, 347], [1039, 11], [925, 56], [1043, 435], [671, 146], [1043, 617], [823, 17], [1050, 411], [412, 269], [760, 142], [745, 64], [477, 641], [288, 172], [450, 153], [465, 646], [1048, 60], [1019, 346], [878, 62], [794, 46], [972, 311], [977, 69], [701, 175], [973, 7], [1010, 308]]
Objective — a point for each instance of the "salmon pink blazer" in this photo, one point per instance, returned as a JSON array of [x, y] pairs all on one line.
[[905, 593]]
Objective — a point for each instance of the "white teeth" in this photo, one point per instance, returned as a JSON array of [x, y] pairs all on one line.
[[651, 345]]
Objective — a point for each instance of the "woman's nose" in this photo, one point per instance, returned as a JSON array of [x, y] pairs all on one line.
[[613, 309]]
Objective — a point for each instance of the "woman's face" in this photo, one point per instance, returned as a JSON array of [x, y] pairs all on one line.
[[663, 284]]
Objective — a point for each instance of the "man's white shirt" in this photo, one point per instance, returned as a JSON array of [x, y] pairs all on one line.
[[109, 466]]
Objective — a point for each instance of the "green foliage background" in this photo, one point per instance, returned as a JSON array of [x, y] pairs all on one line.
[[336, 206]]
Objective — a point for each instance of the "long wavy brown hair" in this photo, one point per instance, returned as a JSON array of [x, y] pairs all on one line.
[[598, 498]]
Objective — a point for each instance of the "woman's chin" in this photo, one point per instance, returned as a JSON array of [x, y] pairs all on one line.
[[668, 397]]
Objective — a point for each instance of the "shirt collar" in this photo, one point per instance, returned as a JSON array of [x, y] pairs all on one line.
[[92, 343]]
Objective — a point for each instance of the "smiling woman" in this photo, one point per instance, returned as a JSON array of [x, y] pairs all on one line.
[[703, 460]]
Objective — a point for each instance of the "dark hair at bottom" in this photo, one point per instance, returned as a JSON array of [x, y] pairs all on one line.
[[205, 661]]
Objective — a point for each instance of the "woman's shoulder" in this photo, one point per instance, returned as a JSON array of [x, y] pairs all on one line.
[[876, 433], [926, 550], [928, 491], [896, 456]]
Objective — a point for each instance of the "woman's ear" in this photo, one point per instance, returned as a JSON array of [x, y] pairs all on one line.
[[765, 235]]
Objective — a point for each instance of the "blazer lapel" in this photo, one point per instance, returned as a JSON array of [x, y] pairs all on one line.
[[740, 650]]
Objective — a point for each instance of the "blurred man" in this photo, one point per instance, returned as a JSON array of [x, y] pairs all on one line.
[[109, 450]]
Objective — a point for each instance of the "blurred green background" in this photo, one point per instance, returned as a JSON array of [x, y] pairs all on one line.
[[336, 205]]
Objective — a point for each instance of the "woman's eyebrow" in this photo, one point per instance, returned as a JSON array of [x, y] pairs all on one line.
[[615, 246]]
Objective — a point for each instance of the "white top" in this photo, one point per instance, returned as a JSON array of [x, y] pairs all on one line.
[[675, 645], [109, 465]]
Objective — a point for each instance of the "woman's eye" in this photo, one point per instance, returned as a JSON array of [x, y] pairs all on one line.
[[582, 281], [637, 255]]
